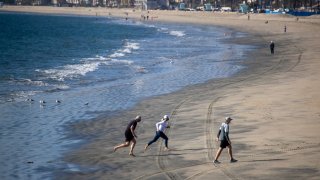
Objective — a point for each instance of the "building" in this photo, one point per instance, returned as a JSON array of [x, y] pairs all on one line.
[[141, 4]]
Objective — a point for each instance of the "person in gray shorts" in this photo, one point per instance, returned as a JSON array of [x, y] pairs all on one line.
[[223, 137]]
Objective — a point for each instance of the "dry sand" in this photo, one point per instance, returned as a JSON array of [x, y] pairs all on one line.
[[275, 104]]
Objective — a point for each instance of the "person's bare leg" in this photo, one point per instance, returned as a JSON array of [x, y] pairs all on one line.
[[146, 147], [132, 147], [230, 152], [218, 154], [126, 144]]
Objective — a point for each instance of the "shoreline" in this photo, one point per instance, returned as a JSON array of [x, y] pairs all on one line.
[[274, 103]]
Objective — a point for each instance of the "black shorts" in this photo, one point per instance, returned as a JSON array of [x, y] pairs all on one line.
[[129, 136], [224, 144]]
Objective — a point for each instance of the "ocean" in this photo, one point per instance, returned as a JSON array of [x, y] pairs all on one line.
[[60, 69]]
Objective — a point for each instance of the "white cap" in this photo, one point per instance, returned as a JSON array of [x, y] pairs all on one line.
[[165, 117]]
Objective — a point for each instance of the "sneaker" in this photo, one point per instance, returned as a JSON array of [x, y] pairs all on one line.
[[233, 160], [216, 162]]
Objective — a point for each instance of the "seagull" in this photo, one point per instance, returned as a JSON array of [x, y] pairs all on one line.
[[58, 101], [42, 102]]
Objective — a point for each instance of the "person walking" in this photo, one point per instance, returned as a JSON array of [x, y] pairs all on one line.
[[223, 137], [272, 47], [130, 136], [161, 126]]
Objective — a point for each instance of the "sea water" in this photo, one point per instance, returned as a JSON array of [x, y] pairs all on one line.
[[58, 69]]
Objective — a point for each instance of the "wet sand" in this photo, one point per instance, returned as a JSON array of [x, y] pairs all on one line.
[[275, 104]]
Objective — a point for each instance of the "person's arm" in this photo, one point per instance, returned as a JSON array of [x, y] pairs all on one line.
[[217, 139], [158, 126], [227, 134], [228, 139], [167, 125], [132, 131]]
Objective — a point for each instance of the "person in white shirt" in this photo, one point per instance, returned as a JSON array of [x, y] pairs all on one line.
[[223, 137], [161, 126]]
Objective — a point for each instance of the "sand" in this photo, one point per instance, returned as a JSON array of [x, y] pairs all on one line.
[[275, 104]]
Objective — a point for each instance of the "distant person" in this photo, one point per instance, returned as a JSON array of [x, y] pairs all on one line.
[[161, 127], [223, 137], [248, 16], [130, 136], [285, 28], [272, 47]]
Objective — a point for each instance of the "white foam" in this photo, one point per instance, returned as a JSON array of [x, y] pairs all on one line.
[[76, 70], [131, 45], [72, 71], [177, 33], [163, 29], [31, 82], [91, 64], [126, 49], [116, 61], [150, 25], [98, 58], [63, 87], [117, 54]]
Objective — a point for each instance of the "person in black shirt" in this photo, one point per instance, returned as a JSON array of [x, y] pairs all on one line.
[[272, 47], [130, 136]]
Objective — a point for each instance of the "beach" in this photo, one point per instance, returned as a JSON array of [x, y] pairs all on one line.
[[275, 103]]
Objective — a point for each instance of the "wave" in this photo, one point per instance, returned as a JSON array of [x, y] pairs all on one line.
[[126, 49], [117, 54], [132, 45], [29, 82], [172, 32], [177, 33], [71, 71], [91, 64], [116, 61]]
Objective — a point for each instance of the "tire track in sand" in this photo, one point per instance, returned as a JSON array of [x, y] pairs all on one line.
[[209, 125]]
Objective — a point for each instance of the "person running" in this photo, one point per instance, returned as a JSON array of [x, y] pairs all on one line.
[[161, 126], [223, 137], [130, 136]]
